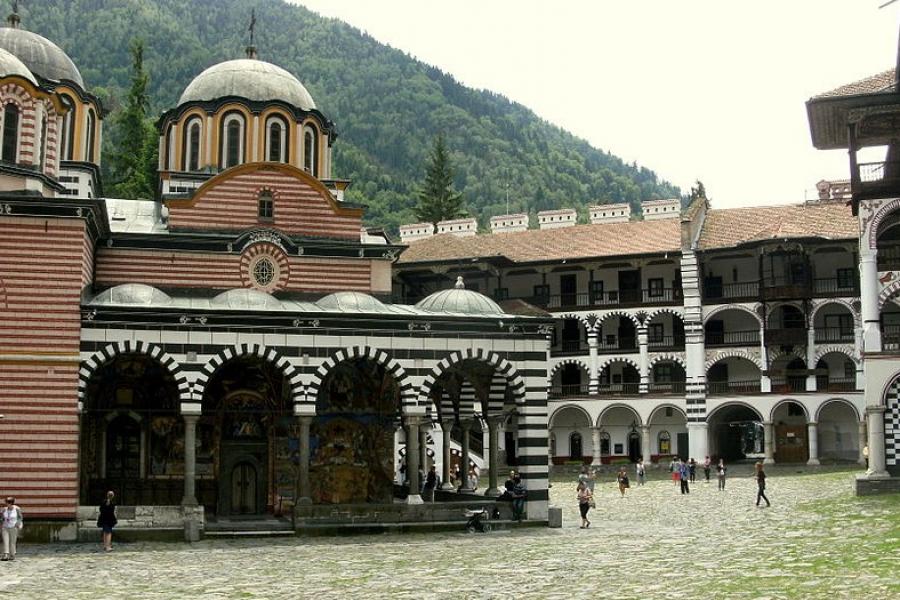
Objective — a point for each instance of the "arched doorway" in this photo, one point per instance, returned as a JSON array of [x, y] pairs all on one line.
[[352, 437], [622, 425], [839, 431], [132, 435], [575, 450], [735, 433], [791, 434], [247, 441]]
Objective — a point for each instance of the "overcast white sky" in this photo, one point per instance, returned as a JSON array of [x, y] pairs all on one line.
[[714, 90]]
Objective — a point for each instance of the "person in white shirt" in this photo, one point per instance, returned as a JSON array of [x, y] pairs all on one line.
[[640, 471], [12, 525]]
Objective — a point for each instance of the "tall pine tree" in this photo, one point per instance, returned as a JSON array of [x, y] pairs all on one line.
[[134, 157], [438, 201]]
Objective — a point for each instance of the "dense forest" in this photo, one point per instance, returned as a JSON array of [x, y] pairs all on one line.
[[388, 107]]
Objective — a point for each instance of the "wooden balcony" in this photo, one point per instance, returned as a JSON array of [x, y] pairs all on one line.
[[873, 180]]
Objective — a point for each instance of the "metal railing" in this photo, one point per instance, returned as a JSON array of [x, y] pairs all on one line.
[[717, 388], [833, 334], [789, 384], [747, 337]]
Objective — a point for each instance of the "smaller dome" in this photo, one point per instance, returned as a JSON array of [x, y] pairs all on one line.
[[460, 300], [246, 299], [352, 301], [10, 65], [248, 78], [133, 294], [43, 57]]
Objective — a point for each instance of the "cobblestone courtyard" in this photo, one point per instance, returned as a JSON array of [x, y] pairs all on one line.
[[817, 541]]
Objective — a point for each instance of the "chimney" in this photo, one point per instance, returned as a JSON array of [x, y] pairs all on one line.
[[459, 227], [415, 231], [554, 219], [509, 223], [661, 209], [610, 213]]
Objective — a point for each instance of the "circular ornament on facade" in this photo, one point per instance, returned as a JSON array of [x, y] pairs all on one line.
[[264, 267]]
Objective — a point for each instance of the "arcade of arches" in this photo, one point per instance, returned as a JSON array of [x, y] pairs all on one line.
[[250, 448]]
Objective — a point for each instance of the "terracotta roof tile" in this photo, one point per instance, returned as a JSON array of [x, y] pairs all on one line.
[[882, 82], [726, 228], [577, 241]]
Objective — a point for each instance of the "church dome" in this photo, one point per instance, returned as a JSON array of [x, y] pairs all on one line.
[[460, 300], [352, 301], [133, 294], [255, 80], [10, 65], [41, 56], [246, 299]]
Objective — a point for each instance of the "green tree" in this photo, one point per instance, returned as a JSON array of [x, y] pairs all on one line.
[[133, 159], [438, 201]]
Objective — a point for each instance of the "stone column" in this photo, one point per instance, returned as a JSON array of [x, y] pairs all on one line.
[[877, 467], [769, 442], [304, 491], [190, 412], [595, 439], [645, 445], [811, 357], [494, 462], [868, 291], [765, 382], [861, 429], [813, 439], [593, 363], [644, 363], [465, 488], [423, 446], [412, 460], [698, 440], [445, 471]]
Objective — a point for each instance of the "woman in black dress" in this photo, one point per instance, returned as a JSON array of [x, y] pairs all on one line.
[[761, 485], [107, 519]]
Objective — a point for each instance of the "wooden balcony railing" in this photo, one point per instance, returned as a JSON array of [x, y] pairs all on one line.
[[747, 337], [666, 342], [825, 383], [719, 388], [568, 390], [619, 389], [667, 387], [792, 336], [835, 286], [730, 291], [833, 335]]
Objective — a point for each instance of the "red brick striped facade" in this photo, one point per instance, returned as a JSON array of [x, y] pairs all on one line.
[[44, 264], [229, 202], [225, 271]]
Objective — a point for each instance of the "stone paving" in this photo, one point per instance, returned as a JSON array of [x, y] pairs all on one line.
[[817, 541]]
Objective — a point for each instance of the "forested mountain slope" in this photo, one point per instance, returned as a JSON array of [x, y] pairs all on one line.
[[387, 106]]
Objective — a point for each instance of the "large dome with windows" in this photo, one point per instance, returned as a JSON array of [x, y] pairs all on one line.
[[255, 80], [41, 56], [10, 65]]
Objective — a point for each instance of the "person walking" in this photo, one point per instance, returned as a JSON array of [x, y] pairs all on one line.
[[585, 500], [675, 468], [622, 479], [107, 519], [761, 485], [431, 481], [685, 475], [640, 471], [706, 468], [692, 465], [12, 525], [720, 474]]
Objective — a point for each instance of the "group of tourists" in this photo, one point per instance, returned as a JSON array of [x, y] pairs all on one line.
[[514, 492], [683, 473]]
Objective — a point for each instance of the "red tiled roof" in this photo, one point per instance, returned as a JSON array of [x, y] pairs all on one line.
[[577, 241], [882, 82], [730, 227]]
